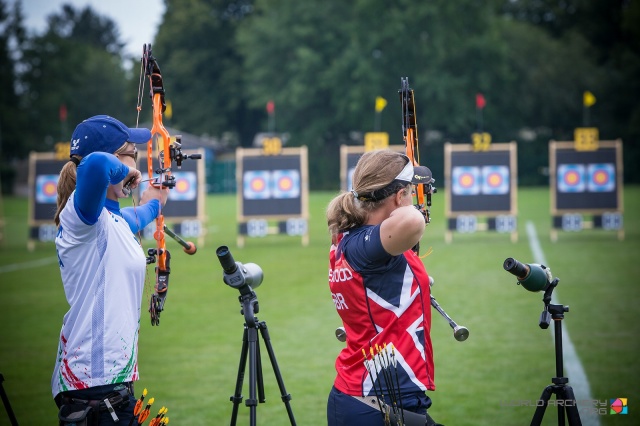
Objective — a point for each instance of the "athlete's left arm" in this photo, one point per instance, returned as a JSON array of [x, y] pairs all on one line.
[[139, 217]]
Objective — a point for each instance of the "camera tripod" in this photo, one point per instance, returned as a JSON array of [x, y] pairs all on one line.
[[251, 347], [560, 386]]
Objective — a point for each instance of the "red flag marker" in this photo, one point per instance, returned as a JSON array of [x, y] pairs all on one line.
[[271, 107], [62, 112]]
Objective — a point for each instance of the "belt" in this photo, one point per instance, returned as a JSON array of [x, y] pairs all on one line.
[[396, 416], [118, 397]]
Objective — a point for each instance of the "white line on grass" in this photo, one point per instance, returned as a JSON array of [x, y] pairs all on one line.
[[572, 366], [27, 265]]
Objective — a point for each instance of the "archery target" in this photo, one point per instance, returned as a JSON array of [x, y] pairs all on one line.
[[466, 180], [495, 180], [270, 187], [601, 177], [256, 185], [479, 182], [46, 188], [286, 183], [571, 178], [185, 189], [585, 181]]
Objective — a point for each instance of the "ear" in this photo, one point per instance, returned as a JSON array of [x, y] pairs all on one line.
[[398, 197]]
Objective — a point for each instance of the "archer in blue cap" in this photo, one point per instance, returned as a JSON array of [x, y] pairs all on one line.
[[102, 269]]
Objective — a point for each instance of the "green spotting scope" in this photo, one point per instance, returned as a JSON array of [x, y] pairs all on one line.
[[531, 276]]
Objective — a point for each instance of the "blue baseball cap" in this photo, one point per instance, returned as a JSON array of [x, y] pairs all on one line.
[[103, 133]]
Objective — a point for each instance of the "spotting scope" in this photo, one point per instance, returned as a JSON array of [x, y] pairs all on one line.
[[531, 276]]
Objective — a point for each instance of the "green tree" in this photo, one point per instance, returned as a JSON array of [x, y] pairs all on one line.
[[76, 63], [195, 49], [324, 63], [12, 123], [605, 35]]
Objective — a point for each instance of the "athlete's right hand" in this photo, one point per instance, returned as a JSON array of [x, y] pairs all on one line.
[[129, 183]]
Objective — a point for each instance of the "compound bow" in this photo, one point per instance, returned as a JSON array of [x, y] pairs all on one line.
[[165, 151], [422, 191]]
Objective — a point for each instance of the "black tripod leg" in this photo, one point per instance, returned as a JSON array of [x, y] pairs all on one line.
[[274, 363], [542, 405], [261, 397], [252, 402], [572, 411], [237, 396], [7, 405], [560, 413]]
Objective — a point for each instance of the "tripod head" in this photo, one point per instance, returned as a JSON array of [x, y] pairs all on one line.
[[244, 278]]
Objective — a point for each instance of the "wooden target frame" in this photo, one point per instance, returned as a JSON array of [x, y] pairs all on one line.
[[572, 169], [499, 209], [260, 198]]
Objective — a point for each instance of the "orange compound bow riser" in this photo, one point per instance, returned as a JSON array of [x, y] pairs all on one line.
[[160, 147], [422, 191]]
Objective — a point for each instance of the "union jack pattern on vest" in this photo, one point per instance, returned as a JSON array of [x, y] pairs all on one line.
[[381, 303]]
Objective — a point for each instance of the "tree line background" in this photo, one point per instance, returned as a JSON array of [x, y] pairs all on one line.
[[324, 62]]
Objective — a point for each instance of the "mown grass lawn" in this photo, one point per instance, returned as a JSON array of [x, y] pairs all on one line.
[[190, 362]]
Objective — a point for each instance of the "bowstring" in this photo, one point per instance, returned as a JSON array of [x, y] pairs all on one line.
[[141, 85], [141, 81]]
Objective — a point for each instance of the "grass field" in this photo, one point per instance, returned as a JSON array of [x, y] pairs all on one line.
[[190, 362]]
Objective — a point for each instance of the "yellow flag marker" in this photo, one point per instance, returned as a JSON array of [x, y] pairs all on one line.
[[588, 99], [380, 103]]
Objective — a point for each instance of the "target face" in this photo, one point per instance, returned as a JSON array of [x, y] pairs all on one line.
[[185, 189], [46, 188], [256, 185], [495, 180], [601, 177], [571, 178], [286, 183], [466, 180]]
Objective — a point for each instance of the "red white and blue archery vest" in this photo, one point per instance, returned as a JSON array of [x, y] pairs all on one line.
[[382, 303]]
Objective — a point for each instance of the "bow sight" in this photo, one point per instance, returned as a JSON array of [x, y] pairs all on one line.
[[175, 154]]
